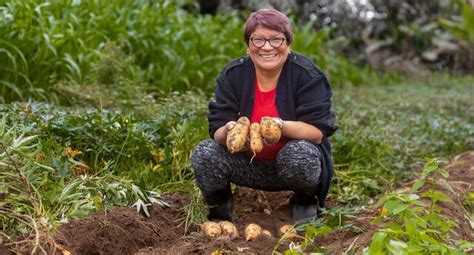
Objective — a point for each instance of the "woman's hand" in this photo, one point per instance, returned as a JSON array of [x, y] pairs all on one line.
[[229, 125], [299, 130], [221, 133]]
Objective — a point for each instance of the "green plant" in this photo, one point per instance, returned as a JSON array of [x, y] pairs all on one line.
[[416, 225], [462, 29], [318, 46], [39, 191], [373, 148], [21, 207], [469, 203], [195, 212], [156, 46], [330, 220], [83, 42]]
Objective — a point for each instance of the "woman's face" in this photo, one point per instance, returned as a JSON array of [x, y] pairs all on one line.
[[274, 52]]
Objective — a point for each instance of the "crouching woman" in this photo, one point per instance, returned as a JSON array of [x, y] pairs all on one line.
[[271, 81]]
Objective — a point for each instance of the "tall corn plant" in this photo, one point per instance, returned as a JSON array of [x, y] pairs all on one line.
[[43, 43], [46, 42]]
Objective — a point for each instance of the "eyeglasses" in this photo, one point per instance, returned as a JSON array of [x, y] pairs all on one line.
[[275, 42]]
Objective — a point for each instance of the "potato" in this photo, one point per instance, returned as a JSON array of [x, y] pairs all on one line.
[[252, 231], [288, 231], [266, 233], [271, 132], [211, 229], [237, 136], [229, 230], [256, 142]]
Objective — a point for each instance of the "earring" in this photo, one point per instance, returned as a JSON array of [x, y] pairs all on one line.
[[289, 51], [248, 51]]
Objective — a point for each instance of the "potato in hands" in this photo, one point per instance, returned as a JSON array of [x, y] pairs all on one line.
[[237, 136], [244, 136], [270, 130], [256, 142]]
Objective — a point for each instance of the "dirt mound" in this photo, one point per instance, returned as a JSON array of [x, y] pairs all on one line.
[[123, 231]]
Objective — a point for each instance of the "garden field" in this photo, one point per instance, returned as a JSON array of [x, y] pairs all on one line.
[[104, 101]]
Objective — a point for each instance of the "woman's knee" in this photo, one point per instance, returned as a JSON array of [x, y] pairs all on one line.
[[204, 150], [298, 152], [203, 153], [300, 162]]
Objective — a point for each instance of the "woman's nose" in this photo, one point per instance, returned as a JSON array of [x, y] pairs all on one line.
[[267, 45]]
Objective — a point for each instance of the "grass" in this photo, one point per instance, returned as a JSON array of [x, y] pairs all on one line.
[[386, 132]]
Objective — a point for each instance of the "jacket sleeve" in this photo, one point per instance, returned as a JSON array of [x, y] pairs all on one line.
[[225, 108], [313, 104]]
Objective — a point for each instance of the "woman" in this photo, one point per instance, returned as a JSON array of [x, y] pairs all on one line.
[[275, 82]]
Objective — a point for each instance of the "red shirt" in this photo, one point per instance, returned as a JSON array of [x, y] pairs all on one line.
[[264, 105]]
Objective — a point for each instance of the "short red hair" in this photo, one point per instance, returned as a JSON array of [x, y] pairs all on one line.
[[271, 19]]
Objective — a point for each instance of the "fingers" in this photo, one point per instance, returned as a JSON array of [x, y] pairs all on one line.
[[277, 120], [230, 125]]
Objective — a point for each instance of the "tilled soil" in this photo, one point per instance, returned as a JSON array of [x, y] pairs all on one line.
[[124, 231]]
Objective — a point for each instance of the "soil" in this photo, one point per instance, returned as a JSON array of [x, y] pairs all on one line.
[[124, 231]]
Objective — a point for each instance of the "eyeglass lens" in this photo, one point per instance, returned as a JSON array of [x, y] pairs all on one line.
[[274, 42]]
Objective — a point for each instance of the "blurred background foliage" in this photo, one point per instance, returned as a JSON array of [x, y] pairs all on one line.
[[408, 36], [164, 46]]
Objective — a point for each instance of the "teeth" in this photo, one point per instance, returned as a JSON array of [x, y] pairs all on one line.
[[268, 55]]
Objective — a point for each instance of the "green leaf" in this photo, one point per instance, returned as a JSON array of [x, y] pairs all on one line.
[[141, 206], [398, 245], [400, 209], [417, 185], [430, 167], [393, 228], [447, 186], [12, 87], [444, 173], [377, 244], [391, 205]]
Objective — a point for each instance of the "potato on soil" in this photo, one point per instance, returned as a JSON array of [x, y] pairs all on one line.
[[266, 233], [288, 230], [252, 231], [237, 136], [229, 230], [211, 229], [271, 132]]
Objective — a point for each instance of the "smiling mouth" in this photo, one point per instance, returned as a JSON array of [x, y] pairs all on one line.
[[268, 55]]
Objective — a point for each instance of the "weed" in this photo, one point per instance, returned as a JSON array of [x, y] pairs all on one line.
[[195, 212], [416, 226]]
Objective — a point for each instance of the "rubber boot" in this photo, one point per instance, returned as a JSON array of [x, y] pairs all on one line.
[[221, 211], [220, 204], [304, 209]]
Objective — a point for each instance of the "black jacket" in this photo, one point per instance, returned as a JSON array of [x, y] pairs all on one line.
[[302, 94]]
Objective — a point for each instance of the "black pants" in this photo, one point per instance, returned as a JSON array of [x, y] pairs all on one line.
[[297, 168]]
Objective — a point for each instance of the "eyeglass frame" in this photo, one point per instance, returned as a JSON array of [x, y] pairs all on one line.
[[283, 39]]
